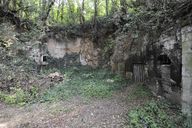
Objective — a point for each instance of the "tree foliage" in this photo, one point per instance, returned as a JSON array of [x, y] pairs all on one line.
[[61, 11]]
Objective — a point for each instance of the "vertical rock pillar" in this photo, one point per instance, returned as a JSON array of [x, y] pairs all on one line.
[[187, 71]]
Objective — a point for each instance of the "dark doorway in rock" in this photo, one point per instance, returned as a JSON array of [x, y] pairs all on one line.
[[164, 60], [44, 58]]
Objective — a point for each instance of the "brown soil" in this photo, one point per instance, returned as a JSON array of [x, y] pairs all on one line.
[[74, 113]]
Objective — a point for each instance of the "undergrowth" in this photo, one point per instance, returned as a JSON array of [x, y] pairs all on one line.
[[18, 96], [155, 114], [88, 83], [82, 81], [139, 91]]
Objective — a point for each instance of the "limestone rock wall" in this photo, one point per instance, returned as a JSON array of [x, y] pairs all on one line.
[[160, 61], [65, 52], [89, 55], [60, 49], [187, 70]]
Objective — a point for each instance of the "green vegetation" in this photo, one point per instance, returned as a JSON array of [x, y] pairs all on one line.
[[18, 96], [83, 81], [139, 91], [154, 115], [98, 83], [63, 11], [97, 90]]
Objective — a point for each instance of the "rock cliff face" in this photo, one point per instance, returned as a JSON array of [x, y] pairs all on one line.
[[60, 49], [157, 63], [66, 52], [89, 55]]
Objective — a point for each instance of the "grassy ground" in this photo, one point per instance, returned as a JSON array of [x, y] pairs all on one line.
[[85, 82], [82, 81], [86, 98]]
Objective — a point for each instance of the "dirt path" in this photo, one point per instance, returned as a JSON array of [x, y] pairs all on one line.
[[75, 113]]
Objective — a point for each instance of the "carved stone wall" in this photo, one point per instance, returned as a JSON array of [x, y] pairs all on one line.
[[66, 52], [187, 70]]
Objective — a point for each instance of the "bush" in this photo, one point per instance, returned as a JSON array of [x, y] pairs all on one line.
[[18, 96], [152, 115]]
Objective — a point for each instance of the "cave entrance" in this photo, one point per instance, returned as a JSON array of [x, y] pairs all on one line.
[[164, 60], [44, 58]]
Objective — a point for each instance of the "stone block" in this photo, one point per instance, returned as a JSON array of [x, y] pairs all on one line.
[[187, 84], [186, 72]]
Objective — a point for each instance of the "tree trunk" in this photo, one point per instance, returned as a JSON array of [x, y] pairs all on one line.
[[107, 7], [95, 38], [62, 10], [5, 4], [14, 5], [44, 18], [123, 6], [114, 6], [58, 10], [71, 10], [82, 12]]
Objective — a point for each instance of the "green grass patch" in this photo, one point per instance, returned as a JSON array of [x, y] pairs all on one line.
[[97, 90], [83, 81], [151, 115], [18, 96], [139, 91], [86, 82]]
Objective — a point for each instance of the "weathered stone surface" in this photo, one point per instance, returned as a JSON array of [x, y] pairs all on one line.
[[167, 41], [66, 52], [89, 55], [59, 49], [187, 70], [128, 49]]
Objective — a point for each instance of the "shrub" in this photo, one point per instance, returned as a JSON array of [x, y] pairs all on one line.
[[152, 115], [18, 96]]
